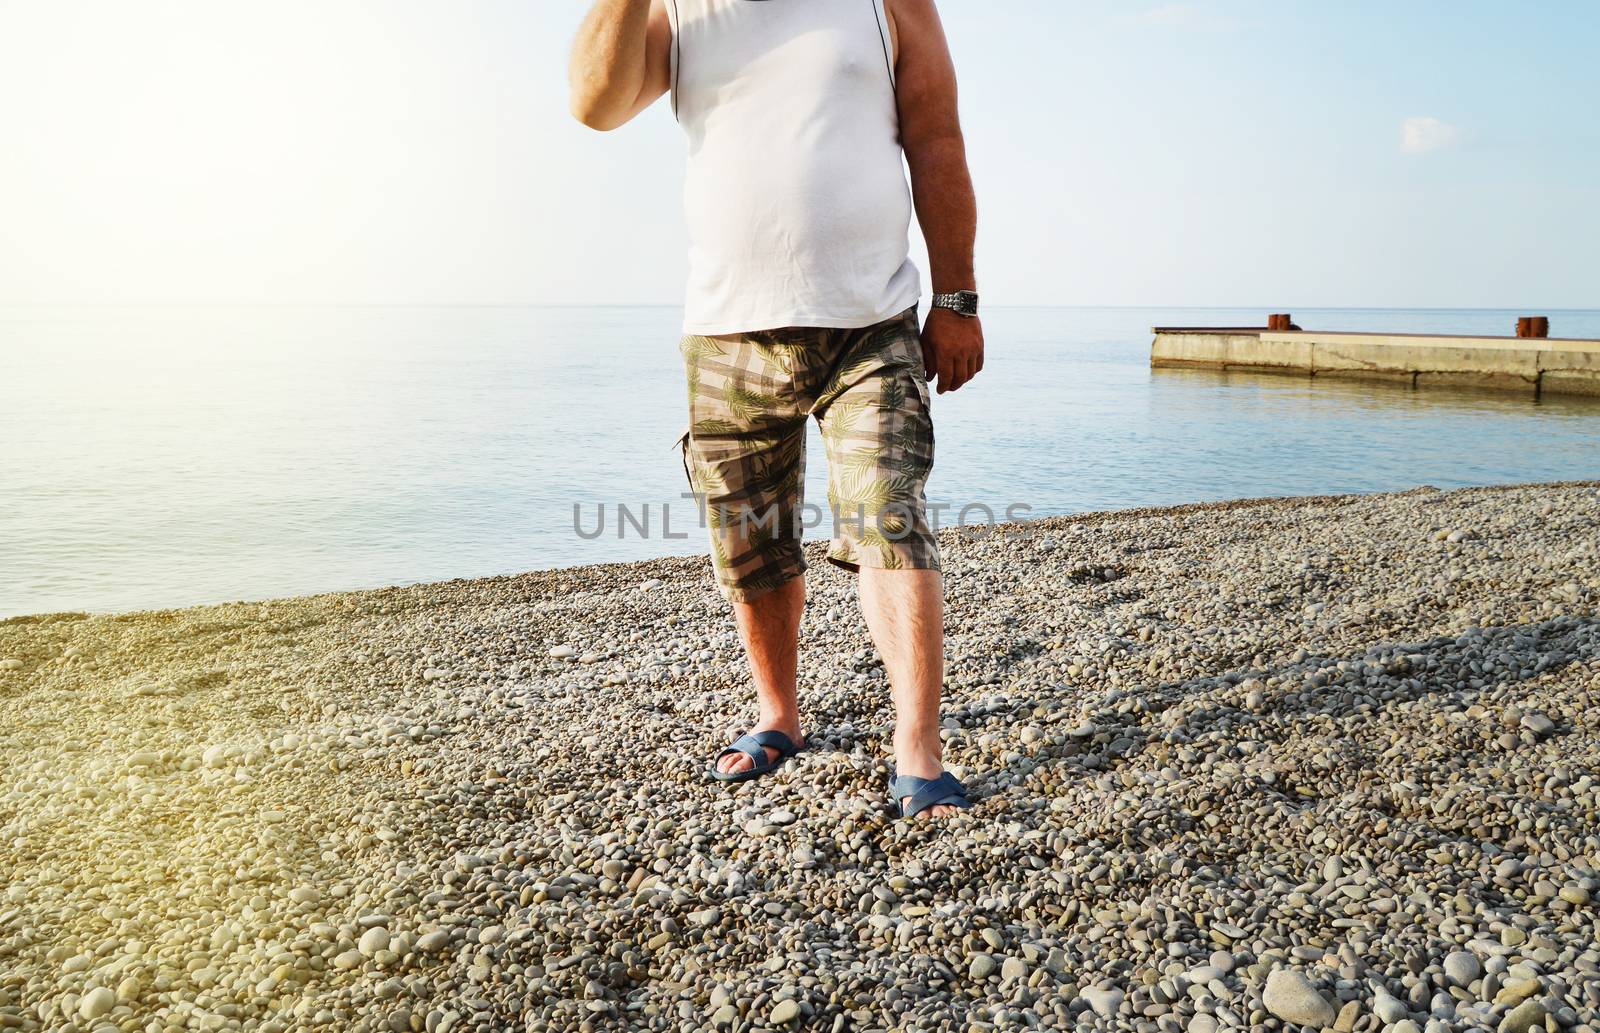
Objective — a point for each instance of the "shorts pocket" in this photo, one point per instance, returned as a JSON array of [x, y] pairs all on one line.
[[682, 445]]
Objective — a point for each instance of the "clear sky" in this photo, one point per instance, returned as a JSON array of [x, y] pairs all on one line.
[[1428, 153]]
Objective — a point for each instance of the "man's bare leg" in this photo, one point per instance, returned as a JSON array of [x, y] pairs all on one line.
[[905, 613], [769, 626]]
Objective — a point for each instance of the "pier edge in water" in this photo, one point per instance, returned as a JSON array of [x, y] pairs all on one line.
[[1529, 364]]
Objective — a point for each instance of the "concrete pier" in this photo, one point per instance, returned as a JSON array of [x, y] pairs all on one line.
[[1530, 365]]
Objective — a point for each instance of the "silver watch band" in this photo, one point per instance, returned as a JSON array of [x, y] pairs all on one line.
[[962, 303]]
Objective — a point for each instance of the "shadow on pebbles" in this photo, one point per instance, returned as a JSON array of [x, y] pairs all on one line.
[[1264, 765]]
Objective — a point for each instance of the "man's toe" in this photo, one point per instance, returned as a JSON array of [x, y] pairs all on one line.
[[942, 810], [739, 761]]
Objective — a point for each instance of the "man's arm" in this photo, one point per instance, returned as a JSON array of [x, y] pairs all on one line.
[[947, 210], [620, 61]]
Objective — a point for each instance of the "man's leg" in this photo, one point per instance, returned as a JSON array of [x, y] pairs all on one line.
[[879, 432], [905, 613], [746, 451], [769, 627]]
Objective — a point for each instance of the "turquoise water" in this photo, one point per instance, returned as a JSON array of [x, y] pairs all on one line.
[[159, 457]]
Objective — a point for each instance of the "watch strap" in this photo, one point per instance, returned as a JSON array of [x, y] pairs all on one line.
[[961, 302]]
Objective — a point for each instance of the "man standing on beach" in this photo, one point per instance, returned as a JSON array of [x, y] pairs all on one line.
[[802, 302]]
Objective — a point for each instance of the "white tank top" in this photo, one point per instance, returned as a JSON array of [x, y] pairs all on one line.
[[796, 199]]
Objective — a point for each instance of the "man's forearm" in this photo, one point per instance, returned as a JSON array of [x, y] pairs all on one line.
[[608, 68], [947, 211]]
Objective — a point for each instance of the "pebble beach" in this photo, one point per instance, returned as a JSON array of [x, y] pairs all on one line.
[[1281, 765]]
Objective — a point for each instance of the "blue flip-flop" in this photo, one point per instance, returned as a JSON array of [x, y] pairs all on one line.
[[926, 792], [754, 745]]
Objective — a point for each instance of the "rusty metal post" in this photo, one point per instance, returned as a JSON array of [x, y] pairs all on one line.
[[1541, 326]]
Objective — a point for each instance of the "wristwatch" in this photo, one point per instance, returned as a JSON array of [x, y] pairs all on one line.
[[962, 303]]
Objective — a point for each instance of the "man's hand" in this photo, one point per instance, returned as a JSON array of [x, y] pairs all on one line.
[[952, 348]]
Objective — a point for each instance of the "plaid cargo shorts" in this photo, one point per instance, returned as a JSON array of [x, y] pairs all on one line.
[[749, 398]]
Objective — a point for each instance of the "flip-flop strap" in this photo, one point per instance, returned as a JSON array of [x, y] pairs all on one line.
[[748, 745], [777, 740], [928, 792], [754, 745]]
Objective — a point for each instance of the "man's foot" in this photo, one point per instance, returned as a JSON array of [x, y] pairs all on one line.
[[733, 763], [920, 764]]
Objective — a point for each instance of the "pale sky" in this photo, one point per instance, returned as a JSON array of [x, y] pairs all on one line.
[[1430, 153]]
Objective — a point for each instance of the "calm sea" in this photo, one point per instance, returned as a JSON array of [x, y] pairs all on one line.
[[157, 457]]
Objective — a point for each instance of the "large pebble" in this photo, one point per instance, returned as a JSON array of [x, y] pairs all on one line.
[[1291, 997], [1462, 968], [1387, 1007], [1106, 1002], [374, 940], [1523, 1018], [97, 1002]]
